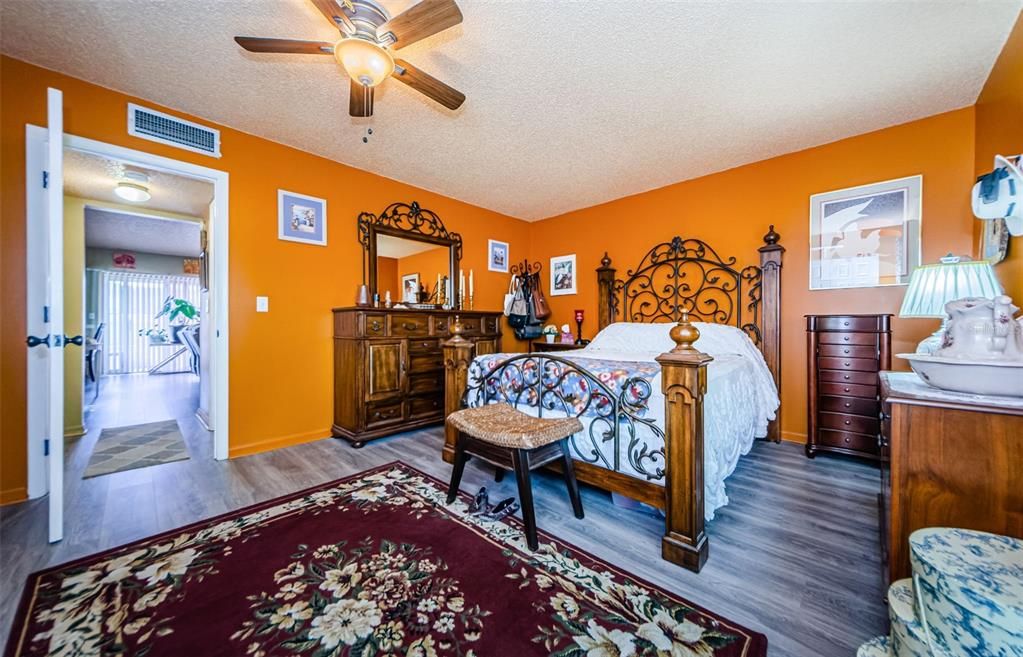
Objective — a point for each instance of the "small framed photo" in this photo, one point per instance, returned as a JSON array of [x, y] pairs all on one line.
[[563, 275], [866, 236], [410, 288], [301, 218], [497, 256], [994, 240]]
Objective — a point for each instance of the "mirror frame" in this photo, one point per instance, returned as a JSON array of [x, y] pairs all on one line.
[[407, 221]]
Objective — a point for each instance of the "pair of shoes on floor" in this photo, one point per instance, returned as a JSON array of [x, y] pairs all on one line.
[[481, 507]]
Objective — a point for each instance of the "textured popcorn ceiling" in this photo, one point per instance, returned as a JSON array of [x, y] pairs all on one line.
[[109, 229], [569, 103], [94, 177]]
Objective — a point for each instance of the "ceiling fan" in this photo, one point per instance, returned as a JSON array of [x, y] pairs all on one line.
[[368, 36]]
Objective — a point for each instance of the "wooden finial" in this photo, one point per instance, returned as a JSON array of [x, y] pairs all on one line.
[[771, 238], [684, 334], [456, 330], [605, 261]]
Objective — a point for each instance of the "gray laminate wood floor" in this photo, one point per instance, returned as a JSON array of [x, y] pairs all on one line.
[[794, 555]]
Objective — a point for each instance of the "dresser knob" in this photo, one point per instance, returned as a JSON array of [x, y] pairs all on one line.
[[846, 323], [846, 363], [847, 405], [846, 389], [846, 350], [846, 376], [846, 338], [848, 422], [847, 439]]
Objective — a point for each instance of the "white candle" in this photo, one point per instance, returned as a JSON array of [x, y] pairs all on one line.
[[461, 283], [471, 284]]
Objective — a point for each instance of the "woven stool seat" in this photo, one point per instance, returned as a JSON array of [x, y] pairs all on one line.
[[500, 424]]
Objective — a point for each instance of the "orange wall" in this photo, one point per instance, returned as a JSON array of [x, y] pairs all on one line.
[[278, 395], [732, 209], [430, 263], [387, 278], [999, 130]]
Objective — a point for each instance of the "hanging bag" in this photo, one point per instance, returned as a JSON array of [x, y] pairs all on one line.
[[540, 308], [517, 315], [509, 297]]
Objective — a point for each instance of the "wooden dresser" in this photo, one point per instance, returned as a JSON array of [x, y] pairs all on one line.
[[955, 461], [389, 367], [844, 355]]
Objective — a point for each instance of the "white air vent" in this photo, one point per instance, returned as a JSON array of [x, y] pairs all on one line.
[[166, 129]]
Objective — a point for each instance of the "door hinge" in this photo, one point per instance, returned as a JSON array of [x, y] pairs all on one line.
[[46, 447], [46, 314], [46, 179]]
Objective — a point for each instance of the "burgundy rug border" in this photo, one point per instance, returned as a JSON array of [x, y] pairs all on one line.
[[758, 640]]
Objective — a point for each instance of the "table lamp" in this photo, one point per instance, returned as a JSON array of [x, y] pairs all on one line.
[[932, 286]]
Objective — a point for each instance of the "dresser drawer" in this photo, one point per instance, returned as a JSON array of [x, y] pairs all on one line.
[[850, 323], [848, 389], [375, 325], [442, 325], [426, 383], [855, 405], [847, 351], [410, 325], [848, 422], [855, 364], [851, 441], [491, 325], [420, 345], [383, 414], [425, 362], [847, 338], [421, 407], [470, 325], [849, 376]]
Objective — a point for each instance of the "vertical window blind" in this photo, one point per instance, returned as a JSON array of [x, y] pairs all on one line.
[[128, 302]]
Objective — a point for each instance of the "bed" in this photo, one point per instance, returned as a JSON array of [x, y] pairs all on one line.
[[679, 382]]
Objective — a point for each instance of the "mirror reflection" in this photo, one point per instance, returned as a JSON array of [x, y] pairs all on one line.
[[409, 270]]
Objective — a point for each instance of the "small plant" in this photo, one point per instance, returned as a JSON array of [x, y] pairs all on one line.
[[154, 333], [550, 329], [178, 309]]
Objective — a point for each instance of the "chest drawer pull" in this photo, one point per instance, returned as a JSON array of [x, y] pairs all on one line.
[[846, 338], [409, 326], [848, 422], [375, 326], [848, 405], [846, 377], [846, 389]]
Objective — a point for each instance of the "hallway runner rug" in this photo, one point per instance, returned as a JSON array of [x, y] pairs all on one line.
[[136, 446], [371, 565]]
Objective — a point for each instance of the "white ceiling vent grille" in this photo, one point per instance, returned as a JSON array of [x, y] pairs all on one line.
[[166, 129]]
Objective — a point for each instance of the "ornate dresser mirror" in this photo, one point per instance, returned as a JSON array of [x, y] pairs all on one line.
[[408, 253]]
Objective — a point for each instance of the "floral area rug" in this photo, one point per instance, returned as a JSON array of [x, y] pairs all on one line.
[[367, 566]]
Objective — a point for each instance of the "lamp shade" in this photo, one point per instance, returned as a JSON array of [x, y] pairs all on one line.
[[365, 62], [932, 286]]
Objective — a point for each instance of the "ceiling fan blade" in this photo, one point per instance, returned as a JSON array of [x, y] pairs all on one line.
[[420, 21], [295, 46], [331, 10], [360, 101], [427, 85]]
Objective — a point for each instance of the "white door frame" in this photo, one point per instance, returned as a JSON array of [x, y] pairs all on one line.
[[218, 231]]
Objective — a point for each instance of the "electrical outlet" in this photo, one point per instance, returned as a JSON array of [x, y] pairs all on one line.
[[262, 304]]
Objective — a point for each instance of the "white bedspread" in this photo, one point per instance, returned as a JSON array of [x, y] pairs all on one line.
[[741, 396]]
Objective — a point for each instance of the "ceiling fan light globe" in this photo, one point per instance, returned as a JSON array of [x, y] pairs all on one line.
[[365, 62], [132, 192]]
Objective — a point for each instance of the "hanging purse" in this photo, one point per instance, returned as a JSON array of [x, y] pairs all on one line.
[[540, 308], [519, 309], [509, 297]]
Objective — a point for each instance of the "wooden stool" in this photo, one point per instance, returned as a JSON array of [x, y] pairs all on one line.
[[510, 439]]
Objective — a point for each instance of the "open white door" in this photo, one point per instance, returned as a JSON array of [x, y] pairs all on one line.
[[45, 306]]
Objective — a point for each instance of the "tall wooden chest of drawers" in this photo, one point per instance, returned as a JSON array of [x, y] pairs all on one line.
[[389, 367], [845, 354]]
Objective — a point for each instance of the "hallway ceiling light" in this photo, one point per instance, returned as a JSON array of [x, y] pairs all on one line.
[[134, 188]]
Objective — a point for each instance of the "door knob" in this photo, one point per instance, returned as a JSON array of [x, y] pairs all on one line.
[[76, 340], [33, 341]]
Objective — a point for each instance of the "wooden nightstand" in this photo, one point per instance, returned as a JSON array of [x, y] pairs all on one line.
[[544, 346]]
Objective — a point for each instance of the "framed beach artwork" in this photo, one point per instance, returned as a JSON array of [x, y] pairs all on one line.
[[867, 236], [563, 275], [497, 256], [994, 240], [301, 218], [410, 288]]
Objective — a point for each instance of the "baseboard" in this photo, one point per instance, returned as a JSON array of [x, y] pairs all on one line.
[[793, 436], [13, 495], [74, 432], [204, 419], [277, 443]]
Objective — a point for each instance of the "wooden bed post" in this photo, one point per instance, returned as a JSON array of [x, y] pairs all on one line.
[[605, 293], [770, 287], [684, 382], [457, 356]]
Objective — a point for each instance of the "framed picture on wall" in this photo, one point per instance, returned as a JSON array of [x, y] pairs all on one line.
[[497, 256], [410, 288], [866, 236], [301, 218], [994, 240], [563, 275]]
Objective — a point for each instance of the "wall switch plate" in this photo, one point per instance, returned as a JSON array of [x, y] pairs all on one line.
[[262, 304]]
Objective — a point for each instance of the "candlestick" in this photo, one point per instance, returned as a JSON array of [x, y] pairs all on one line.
[[579, 327], [471, 288]]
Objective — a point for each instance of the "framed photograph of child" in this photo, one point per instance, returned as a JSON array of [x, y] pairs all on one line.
[[410, 288], [497, 256], [563, 275], [301, 218]]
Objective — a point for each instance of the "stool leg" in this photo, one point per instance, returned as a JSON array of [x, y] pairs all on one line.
[[457, 468], [520, 458], [573, 485]]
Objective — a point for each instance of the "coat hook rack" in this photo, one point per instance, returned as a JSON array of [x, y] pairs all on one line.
[[526, 268]]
